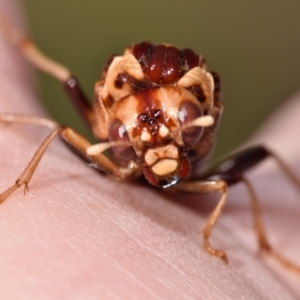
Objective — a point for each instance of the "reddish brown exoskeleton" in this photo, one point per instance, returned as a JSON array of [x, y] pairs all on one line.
[[156, 112]]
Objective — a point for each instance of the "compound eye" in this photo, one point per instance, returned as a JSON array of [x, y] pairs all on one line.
[[117, 133], [188, 112]]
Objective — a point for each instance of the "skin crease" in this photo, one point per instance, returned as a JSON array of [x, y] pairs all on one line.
[[80, 235]]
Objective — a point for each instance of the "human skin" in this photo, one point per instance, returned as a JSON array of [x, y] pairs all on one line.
[[80, 235]]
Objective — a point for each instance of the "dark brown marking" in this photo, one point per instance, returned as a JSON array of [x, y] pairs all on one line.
[[232, 168], [197, 91], [151, 116], [79, 99], [217, 86], [192, 59], [136, 85], [164, 64], [138, 50]]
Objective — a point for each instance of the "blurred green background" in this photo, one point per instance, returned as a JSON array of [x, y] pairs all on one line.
[[254, 46]]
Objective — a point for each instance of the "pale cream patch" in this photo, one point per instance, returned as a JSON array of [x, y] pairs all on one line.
[[170, 100], [163, 131], [125, 111], [168, 151], [101, 147], [97, 148], [198, 76], [203, 121], [119, 65], [151, 157], [165, 167], [145, 136]]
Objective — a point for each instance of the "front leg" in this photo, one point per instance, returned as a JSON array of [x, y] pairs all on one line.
[[209, 186], [74, 139]]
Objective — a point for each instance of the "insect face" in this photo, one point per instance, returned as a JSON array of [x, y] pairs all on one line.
[[152, 122], [155, 98]]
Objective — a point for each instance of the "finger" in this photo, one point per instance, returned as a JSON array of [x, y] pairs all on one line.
[[280, 132], [90, 235]]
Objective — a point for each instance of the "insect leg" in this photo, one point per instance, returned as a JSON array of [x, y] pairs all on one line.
[[232, 171], [47, 65], [212, 186], [25, 177], [98, 161], [78, 142], [232, 168], [260, 231], [23, 119]]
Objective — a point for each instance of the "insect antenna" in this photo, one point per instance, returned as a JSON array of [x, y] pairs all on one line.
[[203, 121], [101, 147]]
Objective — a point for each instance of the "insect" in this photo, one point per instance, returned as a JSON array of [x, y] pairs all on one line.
[[156, 113]]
